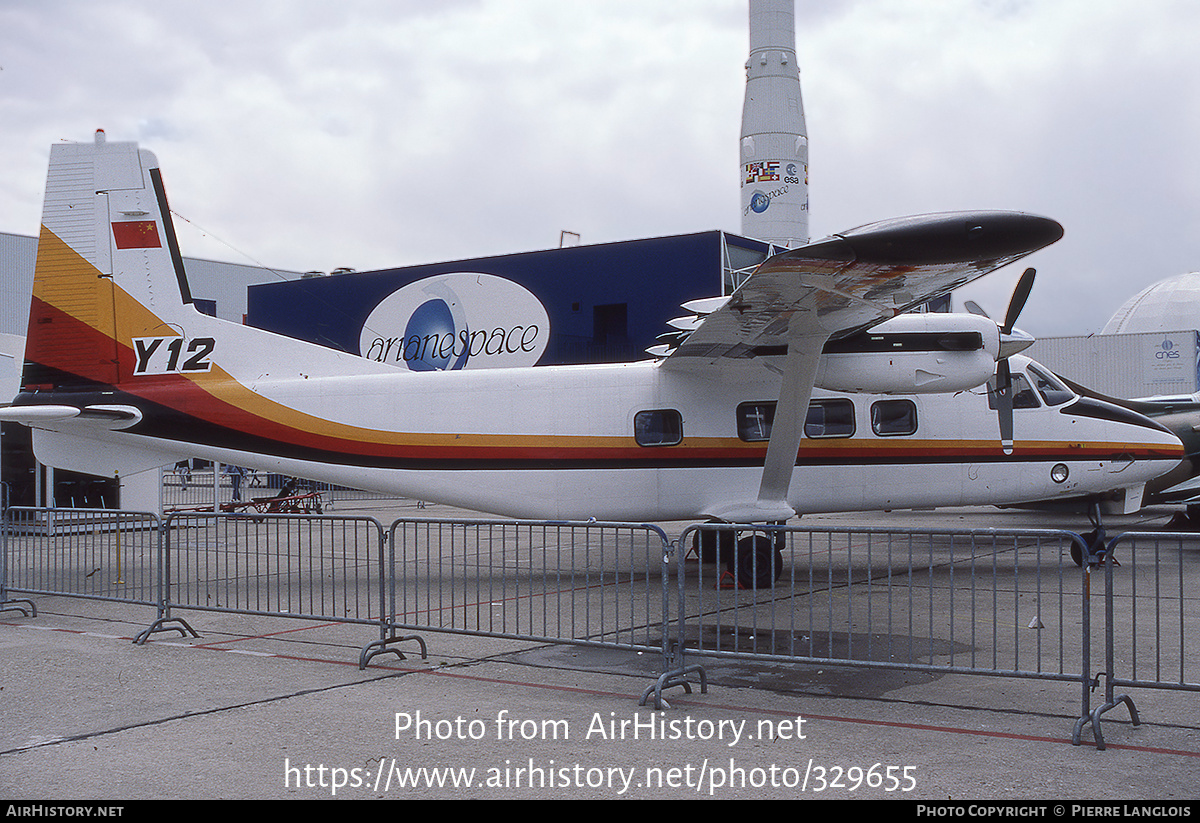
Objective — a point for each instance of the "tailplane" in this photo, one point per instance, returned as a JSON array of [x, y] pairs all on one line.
[[106, 254], [122, 373]]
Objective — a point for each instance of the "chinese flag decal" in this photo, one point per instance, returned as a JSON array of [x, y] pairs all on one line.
[[137, 234]]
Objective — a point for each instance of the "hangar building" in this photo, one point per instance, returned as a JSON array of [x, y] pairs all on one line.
[[599, 303]]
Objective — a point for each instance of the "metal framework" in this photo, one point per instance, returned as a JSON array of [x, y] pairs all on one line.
[[983, 602]]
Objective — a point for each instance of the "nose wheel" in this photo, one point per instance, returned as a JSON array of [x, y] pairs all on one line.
[[1095, 541]]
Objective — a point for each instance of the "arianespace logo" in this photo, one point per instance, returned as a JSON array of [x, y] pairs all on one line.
[[460, 320]]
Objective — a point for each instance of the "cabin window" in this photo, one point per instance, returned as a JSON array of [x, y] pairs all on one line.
[[754, 421], [829, 418], [1023, 396], [1051, 390], [826, 418], [659, 427], [891, 418]]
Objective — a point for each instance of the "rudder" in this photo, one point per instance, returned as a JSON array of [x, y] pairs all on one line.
[[107, 258]]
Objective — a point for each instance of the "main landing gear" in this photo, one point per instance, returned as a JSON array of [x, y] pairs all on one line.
[[753, 560]]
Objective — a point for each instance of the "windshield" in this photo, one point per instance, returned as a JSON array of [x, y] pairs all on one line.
[[1049, 387]]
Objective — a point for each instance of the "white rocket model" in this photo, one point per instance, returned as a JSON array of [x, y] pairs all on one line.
[[774, 147]]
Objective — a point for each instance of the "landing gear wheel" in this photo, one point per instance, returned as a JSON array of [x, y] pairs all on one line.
[[1095, 540], [757, 563], [713, 546]]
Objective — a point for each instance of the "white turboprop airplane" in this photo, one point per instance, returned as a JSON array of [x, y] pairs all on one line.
[[123, 375]]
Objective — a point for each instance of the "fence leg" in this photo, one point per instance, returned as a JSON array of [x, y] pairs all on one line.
[[160, 625], [670, 680], [381, 646], [676, 676], [1094, 718], [14, 606]]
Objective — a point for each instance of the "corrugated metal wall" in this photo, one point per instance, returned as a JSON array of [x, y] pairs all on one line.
[[1126, 365], [17, 256]]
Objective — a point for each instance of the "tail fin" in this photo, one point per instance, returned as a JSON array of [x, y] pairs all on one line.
[[107, 255]]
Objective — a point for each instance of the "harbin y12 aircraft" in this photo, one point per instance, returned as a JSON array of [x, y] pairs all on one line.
[[806, 390]]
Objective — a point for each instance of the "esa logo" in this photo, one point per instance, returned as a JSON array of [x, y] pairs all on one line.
[[172, 355]]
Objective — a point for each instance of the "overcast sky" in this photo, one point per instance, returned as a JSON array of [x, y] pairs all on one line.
[[305, 135]]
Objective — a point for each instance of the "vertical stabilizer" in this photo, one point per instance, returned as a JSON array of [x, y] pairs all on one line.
[[106, 256], [774, 142]]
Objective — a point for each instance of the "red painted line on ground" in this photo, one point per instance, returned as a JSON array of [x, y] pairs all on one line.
[[444, 672]]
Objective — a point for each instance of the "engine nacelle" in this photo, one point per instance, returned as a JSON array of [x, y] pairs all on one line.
[[913, 354]]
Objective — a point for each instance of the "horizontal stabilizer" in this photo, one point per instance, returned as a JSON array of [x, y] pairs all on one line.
[[99, 416]]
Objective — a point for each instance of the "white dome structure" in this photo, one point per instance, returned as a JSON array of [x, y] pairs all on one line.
[[1169, 305]]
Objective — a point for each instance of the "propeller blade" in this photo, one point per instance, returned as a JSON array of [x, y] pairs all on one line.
[[1004, 405], [1020, 295], [974, 308]]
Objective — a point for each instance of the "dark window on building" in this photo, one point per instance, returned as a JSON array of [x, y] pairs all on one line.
[[829, 418], [660, 427], [610, 324], [890, 418]]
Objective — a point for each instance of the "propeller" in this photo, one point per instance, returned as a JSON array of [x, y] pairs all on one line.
[[1012, 340]]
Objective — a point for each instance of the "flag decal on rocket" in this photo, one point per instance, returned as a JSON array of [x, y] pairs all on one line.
[[767, 172]]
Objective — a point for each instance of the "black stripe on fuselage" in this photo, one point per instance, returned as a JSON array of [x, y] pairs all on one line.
[[1100, 410], [164, 423]]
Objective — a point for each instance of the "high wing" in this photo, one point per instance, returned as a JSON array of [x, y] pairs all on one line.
[[797, 301], [856, 279]]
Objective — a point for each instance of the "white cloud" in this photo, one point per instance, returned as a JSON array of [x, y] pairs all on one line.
[[314, 135]]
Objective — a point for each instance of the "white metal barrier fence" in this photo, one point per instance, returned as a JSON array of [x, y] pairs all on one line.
[[580, 583], [991, 602], [1151, 614], [1009, 604], [301, 566], [100, 554]]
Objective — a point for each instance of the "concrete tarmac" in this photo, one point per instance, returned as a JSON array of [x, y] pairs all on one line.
[[262, 708]]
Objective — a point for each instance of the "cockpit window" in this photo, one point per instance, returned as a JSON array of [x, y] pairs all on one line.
[[1051, 390], [1023, 396]]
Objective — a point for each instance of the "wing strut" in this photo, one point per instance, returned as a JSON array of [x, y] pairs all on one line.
[[799, 372], [805, 342]]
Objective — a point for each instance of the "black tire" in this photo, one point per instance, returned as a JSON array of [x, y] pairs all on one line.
[[757, 563], [713, 546]]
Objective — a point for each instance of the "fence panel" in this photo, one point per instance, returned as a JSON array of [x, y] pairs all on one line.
[[100, 554], [580, 583], [1150, 615], [976, 602], [302, 566]]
